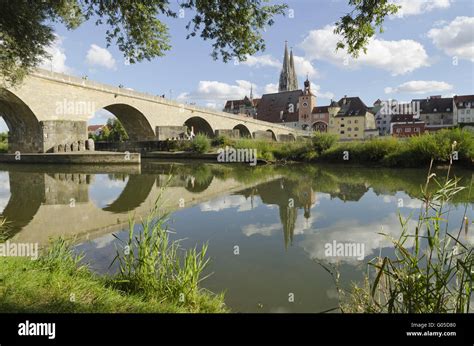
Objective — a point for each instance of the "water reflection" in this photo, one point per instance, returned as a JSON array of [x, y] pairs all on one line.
[[279, 217]]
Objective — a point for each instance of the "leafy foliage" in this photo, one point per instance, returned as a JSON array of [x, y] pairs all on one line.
[[201, 143], [134, 26], [358, 26], [112, 132]]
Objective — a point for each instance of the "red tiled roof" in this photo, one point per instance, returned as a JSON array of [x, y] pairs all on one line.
[[271, 105], [320, 109], [463, 100], [93, 128]]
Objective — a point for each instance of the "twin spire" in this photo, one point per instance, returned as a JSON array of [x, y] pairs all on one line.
[[288, 79]]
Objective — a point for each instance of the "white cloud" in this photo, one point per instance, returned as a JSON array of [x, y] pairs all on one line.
[[456, 38], [212, 105], [415, 7], [57, 60], [367, 234], [101, 57], [233, 201], [419, 87], [397, 57], [262, 61], [316, 89], [214, 92], [270, 88], [303, 66], [302, 225]]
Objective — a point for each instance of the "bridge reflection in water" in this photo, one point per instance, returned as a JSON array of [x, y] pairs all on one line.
[[45, 203]]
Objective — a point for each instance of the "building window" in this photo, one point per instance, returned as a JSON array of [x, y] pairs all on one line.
[[417, 129], [348, 121], [462, 120], [349, 129], [355, 135], [384, 122], [407, 129], [356, 129], [356, 121], [399, 130], [435, 110], [342, 132], [468, 111]]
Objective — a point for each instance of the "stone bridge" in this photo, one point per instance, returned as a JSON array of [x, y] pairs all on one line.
[[49, 109]]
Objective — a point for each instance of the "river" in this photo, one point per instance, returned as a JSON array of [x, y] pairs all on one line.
[[268, 227]]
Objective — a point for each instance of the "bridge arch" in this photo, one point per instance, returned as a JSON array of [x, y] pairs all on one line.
[[133, 195], [134, 121], [25, 133], [244, 131], [199, 125], [273, 134]]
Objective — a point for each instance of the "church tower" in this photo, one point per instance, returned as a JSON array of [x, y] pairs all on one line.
[[307, 102], [293, 78], [288, 80]]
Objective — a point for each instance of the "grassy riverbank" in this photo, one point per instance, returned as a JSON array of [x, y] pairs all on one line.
[[415, 151], [155, 275]]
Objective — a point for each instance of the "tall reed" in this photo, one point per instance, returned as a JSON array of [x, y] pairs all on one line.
[[432, 269], [152, 264]]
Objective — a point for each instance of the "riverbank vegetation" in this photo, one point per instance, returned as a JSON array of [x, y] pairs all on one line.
[[431, 270], [442, 146], [3, 142], [155, 275]]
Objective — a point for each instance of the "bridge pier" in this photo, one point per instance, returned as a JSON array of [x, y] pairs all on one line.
[[64, 132], [48, 135], [228, 133], [263, 135], [286, 138], [168, 132]]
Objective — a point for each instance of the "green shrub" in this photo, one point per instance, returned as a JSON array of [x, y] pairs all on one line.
[[222, 141], [323, 141], [201, 144]]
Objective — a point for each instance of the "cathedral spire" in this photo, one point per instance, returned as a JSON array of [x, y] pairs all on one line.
[[287, 76], [293, 79]]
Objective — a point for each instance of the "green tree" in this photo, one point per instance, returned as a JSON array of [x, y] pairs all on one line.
[[117, 131], [104, 135], [26, 29], [234, 26], [358, 26]]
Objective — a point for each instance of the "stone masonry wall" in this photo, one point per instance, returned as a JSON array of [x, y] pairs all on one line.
[[63, 132]]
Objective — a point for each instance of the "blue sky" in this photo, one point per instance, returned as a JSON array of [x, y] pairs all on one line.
[[428, 49]]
